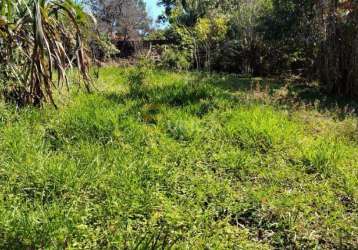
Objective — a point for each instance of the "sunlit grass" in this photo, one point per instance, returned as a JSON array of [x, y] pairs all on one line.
[[188, 161]]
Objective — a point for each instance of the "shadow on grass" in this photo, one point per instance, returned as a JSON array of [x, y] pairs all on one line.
[[317, 97], [204, 86], [114, 97], [299, 92], [175, 95]]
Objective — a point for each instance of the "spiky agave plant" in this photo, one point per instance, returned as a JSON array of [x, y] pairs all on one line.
[[38, 38]]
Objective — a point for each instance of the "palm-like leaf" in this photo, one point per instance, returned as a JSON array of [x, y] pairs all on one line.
[[39, 38]]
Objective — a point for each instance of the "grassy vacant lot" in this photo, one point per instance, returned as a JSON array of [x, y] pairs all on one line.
[[185, 161]]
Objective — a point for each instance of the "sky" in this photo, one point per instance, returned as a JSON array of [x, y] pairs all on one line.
[[153, 9]]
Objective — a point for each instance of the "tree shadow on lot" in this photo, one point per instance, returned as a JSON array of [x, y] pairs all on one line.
[[291, 92], [296, 92]]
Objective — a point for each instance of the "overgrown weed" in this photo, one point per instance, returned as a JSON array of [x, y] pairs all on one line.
[[177, 162]]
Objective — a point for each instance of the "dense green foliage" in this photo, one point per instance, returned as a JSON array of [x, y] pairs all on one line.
[[184, 160], [315, 39]]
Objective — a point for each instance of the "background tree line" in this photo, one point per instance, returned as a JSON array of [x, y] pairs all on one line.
[[317, 39]]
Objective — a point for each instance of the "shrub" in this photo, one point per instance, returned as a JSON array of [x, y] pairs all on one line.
[[137, 76], [174, 59], [102, 48]]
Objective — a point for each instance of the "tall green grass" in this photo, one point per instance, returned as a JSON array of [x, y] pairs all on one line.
[[182, 161]]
